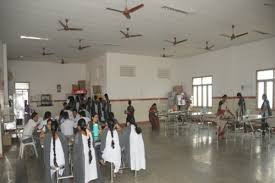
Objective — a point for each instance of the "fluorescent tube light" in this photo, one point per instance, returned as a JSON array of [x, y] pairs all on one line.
[[34, 38]]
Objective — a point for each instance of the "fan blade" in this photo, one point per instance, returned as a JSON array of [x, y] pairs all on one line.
[[210, 47], [47, 54], [178, 42], [111, 9], [175, 10], [269, 4], [60, 29], [135, 35], [123, 33], [75, 29], [111, 45], [240, 35], [135, 8], [261, 32], [169, 55], [84, 47], [169, 41], [225, 35], [61, 23]]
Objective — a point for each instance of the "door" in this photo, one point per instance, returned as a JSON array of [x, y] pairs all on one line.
[[21, 97]]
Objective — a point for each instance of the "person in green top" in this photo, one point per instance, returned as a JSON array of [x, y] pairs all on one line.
[[96, 132]]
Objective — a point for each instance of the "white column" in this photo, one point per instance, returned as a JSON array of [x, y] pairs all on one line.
[[1, 98], [5, 71]]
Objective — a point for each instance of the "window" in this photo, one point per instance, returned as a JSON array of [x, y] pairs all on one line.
[[202, 91], [127, 71], [265, 84]]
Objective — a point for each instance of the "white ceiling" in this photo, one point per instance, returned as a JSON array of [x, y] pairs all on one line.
[[210, 18]]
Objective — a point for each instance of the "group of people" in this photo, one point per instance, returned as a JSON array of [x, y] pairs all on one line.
[[224, 114], [98, 105], [95, 142]]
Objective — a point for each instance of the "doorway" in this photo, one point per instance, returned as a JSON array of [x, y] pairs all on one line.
[[21, 97]]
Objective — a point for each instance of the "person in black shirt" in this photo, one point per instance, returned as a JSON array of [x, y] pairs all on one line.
[[130, 111]]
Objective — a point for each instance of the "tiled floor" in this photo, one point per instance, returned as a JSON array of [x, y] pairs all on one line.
[[191, 157]]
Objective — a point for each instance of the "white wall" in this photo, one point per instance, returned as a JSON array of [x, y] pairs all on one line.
[[44, 76], [96, 72], [146, 84], [144, 89], [230, 67]]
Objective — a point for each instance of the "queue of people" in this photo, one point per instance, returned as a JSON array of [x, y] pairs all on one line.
[[95, 143]]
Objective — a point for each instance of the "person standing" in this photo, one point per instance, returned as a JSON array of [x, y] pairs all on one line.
[[130, 111], [241, 111], [107, 106], [222, 116], [153, 117], [265, 113]]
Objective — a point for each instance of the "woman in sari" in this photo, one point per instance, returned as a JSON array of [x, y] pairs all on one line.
[[153, 117], [223, 116]]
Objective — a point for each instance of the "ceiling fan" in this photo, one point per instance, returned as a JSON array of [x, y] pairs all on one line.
[[65, 26], [207, 47], [127, 35], [45, 53], [164, 55], [80, 47], [175, 42], [126, 12], [234, 36]]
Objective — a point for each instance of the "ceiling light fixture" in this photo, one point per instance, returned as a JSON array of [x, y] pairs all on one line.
[[33, 38], [177, 10]]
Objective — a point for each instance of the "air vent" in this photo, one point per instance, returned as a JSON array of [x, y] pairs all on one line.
[[163, 73], [127, 71]]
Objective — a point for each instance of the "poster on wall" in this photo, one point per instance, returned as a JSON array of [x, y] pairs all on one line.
[[58, 88], [46, 100]]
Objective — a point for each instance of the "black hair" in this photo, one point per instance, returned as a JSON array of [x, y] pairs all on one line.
[[95, 97], [111, 126], [94, 114], [137, 128], [154, 104], [239, 94], [54, 128], [49, 120], [82, 124], [111, 115], [65, 115], [82, 113], [224, 96], [106, 97], [74, 110], [47, 115], [34, 114], [129, 102], [77, 99], [64, 104]]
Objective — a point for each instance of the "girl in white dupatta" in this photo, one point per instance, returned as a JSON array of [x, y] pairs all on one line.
[[111, 147], [133, 146], [85, 161]]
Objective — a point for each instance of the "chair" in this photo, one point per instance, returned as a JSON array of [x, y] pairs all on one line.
[[28, 143]]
